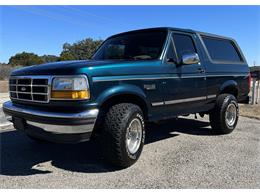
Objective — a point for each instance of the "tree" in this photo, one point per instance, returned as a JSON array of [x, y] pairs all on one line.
[[49, 58], [80, 50], [25, 59]]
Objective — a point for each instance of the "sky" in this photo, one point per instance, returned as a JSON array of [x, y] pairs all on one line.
[[44, 29]]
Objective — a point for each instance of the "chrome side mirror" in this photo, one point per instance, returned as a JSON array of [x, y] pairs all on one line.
[[190, 58]]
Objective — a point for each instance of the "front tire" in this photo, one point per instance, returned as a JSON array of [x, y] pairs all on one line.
[[223, 118], [123, 135]]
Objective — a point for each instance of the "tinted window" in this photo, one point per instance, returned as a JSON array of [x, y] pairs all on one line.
[[221, 50], [132, 46], [184, 44]]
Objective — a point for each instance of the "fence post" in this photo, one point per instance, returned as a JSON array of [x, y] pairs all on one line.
[[257, 92], [253, 92]]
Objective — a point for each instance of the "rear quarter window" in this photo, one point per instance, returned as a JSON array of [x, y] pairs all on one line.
[[222, 49]]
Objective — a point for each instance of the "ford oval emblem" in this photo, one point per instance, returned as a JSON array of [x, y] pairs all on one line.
[[23, 89]]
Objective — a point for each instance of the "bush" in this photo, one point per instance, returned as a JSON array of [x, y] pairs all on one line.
[[5, 71]]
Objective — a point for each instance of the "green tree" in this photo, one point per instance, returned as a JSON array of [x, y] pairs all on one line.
[[80, 50], [25, 59], [49, 58]]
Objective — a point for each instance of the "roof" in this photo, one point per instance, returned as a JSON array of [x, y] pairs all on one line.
[[172, 29]]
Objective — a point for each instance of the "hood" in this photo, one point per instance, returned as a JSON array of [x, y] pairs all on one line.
[[92, 68], [59, 68]]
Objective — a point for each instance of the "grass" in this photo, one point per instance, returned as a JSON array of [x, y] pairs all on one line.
[[251, 111]]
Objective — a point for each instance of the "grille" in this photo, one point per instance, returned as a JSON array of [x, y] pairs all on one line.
[[34, 89]]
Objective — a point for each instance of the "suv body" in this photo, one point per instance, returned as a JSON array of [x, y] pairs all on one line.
[[134, 77]]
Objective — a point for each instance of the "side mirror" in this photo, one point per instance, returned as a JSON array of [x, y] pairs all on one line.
[[190, 58]]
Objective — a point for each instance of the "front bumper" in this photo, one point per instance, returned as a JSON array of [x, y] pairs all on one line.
[[61, 127]]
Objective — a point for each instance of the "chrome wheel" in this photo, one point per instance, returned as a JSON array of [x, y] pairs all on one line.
[[231, 114], [134, 135]]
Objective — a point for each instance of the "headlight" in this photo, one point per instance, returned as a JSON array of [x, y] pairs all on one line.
[[67, 87]]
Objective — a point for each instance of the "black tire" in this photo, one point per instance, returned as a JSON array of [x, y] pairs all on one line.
[[114, 135], [217, 116]]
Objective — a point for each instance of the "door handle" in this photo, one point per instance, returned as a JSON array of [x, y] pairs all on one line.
[[201, 70]]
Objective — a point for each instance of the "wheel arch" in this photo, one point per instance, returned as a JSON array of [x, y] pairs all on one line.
[[126, 97], [120, 94], [230, 87], [123, 93]]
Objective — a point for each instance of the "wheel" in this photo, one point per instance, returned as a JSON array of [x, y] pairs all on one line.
[[123, 134], [224, 117]]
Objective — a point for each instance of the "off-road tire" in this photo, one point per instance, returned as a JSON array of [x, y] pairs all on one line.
[[114, 138], [217, 115]]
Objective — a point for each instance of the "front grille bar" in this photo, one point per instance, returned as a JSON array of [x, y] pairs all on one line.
[[43, 91]]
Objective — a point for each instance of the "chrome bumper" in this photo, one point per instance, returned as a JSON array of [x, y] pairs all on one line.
[[28, 114]]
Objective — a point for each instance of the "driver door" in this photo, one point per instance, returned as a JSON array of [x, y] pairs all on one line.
[[186, 91]]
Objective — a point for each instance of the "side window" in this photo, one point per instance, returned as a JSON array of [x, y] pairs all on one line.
[[184, 44], [222, 49], [170, 55]]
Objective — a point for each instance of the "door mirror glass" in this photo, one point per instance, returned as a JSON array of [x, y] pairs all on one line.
[[190, 58]]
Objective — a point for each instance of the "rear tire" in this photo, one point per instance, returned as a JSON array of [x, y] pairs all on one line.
[[123, 134], [223, 118]]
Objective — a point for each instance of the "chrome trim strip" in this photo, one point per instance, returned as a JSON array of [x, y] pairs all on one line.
[[25, 100], [27, 85], [157, 103], [184, 100], [224, 75], [27, 93], [64, 129], [195, 76], [93, 113], [211, 96]]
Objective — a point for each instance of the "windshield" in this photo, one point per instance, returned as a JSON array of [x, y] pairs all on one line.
[[134, 46]]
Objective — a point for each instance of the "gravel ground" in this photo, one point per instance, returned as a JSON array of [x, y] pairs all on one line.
[[178, 154], [3, 98]]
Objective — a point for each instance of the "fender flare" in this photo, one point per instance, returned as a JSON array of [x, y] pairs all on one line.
[[230, 84], [122, 89]]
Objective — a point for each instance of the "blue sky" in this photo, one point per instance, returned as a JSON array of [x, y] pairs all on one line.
[[44, 29]]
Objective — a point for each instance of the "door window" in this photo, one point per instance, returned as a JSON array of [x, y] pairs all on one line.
[[184, 44]]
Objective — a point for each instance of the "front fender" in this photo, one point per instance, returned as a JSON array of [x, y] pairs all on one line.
[[122, 89]]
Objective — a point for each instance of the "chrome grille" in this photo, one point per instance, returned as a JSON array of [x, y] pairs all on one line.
[[30, 88]]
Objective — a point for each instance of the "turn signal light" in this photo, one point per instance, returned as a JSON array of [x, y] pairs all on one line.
[[74, 95]]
